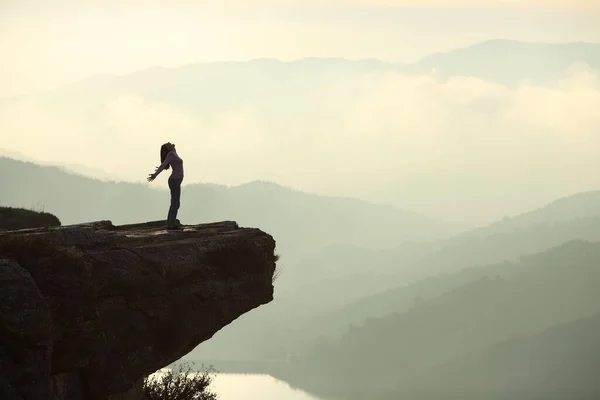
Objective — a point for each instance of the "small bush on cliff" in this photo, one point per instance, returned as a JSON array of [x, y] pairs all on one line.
[[180, 383], [20, 218]]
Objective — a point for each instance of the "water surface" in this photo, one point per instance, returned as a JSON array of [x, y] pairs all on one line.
[[256, 387]]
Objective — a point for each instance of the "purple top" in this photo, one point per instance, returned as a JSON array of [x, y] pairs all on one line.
[[176, 165]]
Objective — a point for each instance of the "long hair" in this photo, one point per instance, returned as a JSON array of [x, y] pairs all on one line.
[[164, 150]]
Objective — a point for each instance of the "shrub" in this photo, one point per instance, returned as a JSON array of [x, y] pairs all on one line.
[[180, 383], [19, 218]]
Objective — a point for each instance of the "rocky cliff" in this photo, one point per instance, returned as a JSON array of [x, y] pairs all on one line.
[[86, 311]]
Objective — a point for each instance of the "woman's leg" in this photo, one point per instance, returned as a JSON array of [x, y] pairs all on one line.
[[175, 187]]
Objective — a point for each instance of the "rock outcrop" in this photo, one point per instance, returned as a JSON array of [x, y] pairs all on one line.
[[86, 311], [20, 218]]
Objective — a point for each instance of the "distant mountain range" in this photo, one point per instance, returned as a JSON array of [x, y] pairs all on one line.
[[569, 208], [558, 363], [509, 62], [301, 222], [524, 299], [78, 169], [345, 285], [451, 267], [502, 61]]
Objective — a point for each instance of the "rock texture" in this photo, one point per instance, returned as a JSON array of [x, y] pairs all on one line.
[[86, 311]]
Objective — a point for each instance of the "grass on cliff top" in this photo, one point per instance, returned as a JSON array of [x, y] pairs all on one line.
[[21, 218], [277, 271]]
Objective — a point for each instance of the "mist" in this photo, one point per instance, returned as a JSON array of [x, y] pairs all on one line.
[[460, 149]]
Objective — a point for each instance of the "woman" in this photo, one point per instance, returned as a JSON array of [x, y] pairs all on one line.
[[169, 158]]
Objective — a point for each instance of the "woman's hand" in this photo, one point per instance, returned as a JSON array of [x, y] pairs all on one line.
[[151, 177]]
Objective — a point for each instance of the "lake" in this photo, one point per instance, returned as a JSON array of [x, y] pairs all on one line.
[[255, 387]]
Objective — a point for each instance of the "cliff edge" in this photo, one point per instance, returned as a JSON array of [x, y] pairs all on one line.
[[87, 311]]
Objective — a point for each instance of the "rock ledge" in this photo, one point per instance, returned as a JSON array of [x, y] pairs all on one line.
[[88, 310]]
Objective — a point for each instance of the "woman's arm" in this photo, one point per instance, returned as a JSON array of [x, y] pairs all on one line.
[[162, 166]]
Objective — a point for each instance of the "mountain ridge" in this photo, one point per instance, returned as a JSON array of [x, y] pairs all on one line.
[[474, 315], [422, 65], [339, 219], [526, 367]]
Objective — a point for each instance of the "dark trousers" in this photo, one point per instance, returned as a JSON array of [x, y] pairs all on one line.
[[175, 187]]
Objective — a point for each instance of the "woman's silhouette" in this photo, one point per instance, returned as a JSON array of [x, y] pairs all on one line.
[[169, 158]]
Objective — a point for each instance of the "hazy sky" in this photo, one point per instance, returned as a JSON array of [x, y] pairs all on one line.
[[465, 149], [43, 43]]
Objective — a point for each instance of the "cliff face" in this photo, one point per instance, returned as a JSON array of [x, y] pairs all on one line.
[[86, 311]]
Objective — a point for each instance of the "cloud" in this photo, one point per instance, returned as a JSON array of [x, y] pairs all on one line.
[[41, 131], [463, 148], [476, 143]]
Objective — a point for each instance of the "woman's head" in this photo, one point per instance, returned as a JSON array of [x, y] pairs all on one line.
[[164, 150]]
